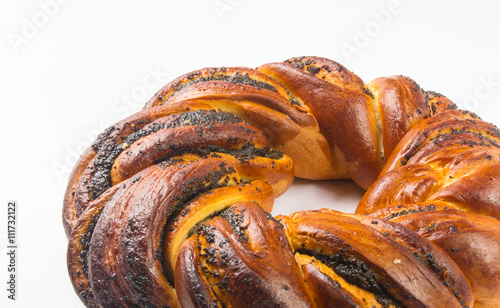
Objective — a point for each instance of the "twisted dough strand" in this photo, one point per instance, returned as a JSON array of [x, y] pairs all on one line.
[[169, 207], [345, 125]]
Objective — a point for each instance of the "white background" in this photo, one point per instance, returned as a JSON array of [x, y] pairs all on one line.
[[68, 69]]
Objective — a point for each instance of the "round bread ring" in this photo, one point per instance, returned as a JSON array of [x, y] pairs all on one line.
[[170, 207]]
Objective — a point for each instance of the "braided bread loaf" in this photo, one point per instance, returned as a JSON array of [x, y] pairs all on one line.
[[169, 207]]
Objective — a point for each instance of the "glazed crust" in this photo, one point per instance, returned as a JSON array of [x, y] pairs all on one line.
[[170, 206], [375, 260], [452, 157], [245, 261], [470, 240]]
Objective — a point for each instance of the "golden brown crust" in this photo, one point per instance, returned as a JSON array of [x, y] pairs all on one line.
[[72, 207], [377, 117], [69, 210], [452, 157], [326, 290], [265, 104], [373, 260], [79, 245], [204, 207], [245, 259], [195, 292], [101, 165], [149, 150], [439, 263], [448, 161], [356, 147], [179, 194], [471, 240], [401, 103]]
